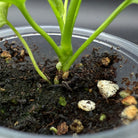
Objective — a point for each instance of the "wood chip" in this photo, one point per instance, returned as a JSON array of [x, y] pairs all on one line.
[[62, 128], [129, 112], [129, 100]]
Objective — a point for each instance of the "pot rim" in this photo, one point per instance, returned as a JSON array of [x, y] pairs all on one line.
[[127, 48], [104, 38], [117, 133]]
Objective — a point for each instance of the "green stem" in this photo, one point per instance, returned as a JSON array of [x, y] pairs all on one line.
[[121, 7], [68, 27], [66, 45], [76, 12], [65, 10], [29, 52], [30, 20]]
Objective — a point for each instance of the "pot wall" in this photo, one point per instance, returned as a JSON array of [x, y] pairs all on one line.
[[125, 49]]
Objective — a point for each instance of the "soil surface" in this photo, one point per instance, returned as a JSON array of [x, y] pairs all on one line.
[[29, 104]]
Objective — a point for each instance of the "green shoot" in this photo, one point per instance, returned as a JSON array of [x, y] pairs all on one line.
[[66, 13], [62, 101], [53, 129]]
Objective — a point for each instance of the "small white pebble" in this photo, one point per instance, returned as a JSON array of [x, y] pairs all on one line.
[[86, 105], [107, 88]]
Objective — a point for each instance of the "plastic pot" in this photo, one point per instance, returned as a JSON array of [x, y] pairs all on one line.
[[126, 50]]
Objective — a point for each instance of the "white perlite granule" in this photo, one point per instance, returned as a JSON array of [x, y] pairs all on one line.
[[107, 88], [86, 105]]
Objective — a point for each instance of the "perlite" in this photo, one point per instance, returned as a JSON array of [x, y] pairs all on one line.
[[86, 105], [107, 88]]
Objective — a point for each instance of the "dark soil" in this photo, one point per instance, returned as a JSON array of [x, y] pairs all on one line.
[[30, 104]]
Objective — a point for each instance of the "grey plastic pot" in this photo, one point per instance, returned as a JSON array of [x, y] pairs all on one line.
[[105, 42]]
